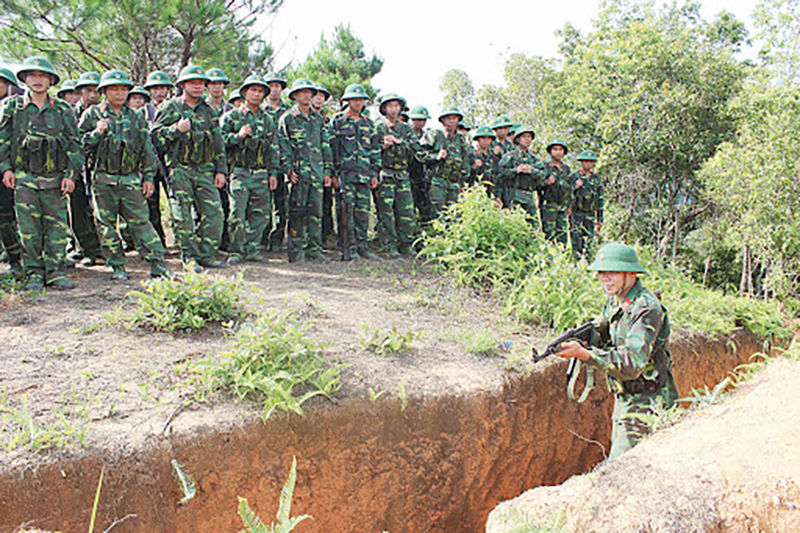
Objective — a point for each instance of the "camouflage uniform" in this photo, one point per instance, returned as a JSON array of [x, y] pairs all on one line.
[[224, 192], [123, 159], [554, 200], [80, 209], [252, 160], [193, 158], [449, 175], [587, 210], [8, 222], [280, 195], [395, 202], [304, 147], [357, 159], [41, 146], [518, 187]]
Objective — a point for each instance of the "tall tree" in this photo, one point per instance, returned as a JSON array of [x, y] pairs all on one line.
[[457, 89], [778, 27]]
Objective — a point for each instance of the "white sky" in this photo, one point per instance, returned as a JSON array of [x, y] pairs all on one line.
[[420, 40]]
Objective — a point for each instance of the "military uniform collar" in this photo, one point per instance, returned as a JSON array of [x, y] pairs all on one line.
[[200, 102], [584, 173], [26, 100], [633, 293], [349, 114], [557, 165], [522, 150], [106, 108], [245, 110]]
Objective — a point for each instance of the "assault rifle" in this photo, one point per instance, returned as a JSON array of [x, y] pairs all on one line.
[[343, 214]]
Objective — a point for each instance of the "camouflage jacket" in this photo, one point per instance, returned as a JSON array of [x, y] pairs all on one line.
[[397, 156], [506, 147], [219, 111], [355, 147], [124, 149], [304, 144], [453, 168], [256, 151], [588, 198], [639, 331], [518, 180], [489, 169], [43, 144], [201, 147], [558, 195], [276, 112]]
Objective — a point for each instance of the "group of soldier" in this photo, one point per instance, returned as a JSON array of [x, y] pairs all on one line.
[[250, 172]]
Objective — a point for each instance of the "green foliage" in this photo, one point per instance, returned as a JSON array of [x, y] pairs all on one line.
[[286, 523], [660, 416], [96, 500], [704, 397], [186, 303], [20, 427], [457, 89], [185, 482], [481, 342], [273, 361], [383, 342]]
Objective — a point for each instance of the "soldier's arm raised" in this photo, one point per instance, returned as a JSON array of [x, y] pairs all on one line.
[[147, 155], [429, 147], [165, 126], [87, 127], [229, 126]]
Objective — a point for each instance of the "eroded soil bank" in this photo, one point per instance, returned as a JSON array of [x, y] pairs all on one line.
[[439, 465]]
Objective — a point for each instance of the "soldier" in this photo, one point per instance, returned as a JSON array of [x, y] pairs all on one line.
[[502, 144], [305, 154], [86, 246], [158, 86], [188, 129], [40, 157], [416, 170], [216, 90], [318, 102], [637, 363], [357, 159], [587, 204], [275, 105], [137, 98], [555, 194], [118, 138], [8, 222], [485, 161], [445, 154], [521, 174], [251, 146], [68, 93], [236, 99], [395, 202]]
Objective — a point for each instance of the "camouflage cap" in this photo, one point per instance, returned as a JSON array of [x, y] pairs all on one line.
[[9, 76], [217, 74], [502, 122], [484, 131], [450, 110], [87, 79], [253, 79], [419, 112], [300, 84], [522, 128], [141, 92], [67, 86], [617, 257], [558, 142], [37, 64], [324, 90], [154, 79], [354, 91], [390, 97], [114, 77], [587, 155], [274, 77], [191, 72]]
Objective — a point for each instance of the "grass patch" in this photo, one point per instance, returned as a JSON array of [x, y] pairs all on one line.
[[480, 342], [389, 341]]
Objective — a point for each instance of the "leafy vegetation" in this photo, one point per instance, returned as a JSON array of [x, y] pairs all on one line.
[[286, 522], [388, 342]]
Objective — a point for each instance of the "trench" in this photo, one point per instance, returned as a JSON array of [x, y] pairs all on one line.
[[439, 465]]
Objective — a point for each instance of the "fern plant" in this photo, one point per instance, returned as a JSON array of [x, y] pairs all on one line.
[[286, 523]]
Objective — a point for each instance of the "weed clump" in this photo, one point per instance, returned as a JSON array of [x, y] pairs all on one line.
[[388, 342]]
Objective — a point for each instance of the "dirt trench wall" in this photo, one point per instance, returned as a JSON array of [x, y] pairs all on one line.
[[440, 465]]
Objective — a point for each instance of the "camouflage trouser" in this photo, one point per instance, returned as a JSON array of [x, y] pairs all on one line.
[[419, 189], [628, 429], [154, 208], [581, 229], [327, 212], [359, 196], [195, 190], [442, 194], [251, 211], [225, 202], [128, 202], [82, 221], [527, 201], [281, 205], [554, 224], [305, 216], [8, 225], [395, 206], [42, 220]]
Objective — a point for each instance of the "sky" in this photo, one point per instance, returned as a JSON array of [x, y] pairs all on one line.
[[421, 40]]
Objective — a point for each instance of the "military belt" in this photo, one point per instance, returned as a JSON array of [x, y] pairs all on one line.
[[638, 386]]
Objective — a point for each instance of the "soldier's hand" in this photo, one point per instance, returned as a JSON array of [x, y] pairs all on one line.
[[326, 181], [102, 125], [373, 183], [388, 140], [9, 179], [148, 188], [578, 183], [524, 168], [273, 183], [184, 124], [574, 349], [478, 163], [569, 211], [245, 130], [219, 181], [441, 155], [551, 180], [335, 182], [293, 176], [67, 186]]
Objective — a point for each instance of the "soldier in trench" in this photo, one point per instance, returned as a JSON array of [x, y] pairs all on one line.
[[637, 362]]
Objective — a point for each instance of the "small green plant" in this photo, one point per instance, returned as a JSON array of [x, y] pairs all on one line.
[[403, 395], [286, 522], [481, 342], [374, 396], [704, 397], [388, 342], [21, 428], [660, 416], [185, 303], [185, 482]]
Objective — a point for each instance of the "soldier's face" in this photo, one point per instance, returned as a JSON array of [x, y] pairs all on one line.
[[450, 122], [194, 88], [159, 93], [418, 123], [318, 100], [616, 282], [275, 89], [116, 95], [303, 96], [38, 82], [392, 109], [587, 166], [90, 95], [71, 97], [557, 152], [484, 142], [524, 140], [136, 101], [216, 89], [502, 133], [254, 95], [3, 89], [356, 104]]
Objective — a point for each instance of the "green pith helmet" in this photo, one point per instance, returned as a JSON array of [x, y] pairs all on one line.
[[114, 77], [217, 74], [522, 128], [154, 79], [236, 95], [37, 64], [275, 77], [419, 112], [253, 79], [484, 131], [300, 84], [67, 86], [354, 91], [464, 126], [191, 72], [87, 79], [391, 97], [617, 257], [9, 77], [502, 122], [587, 155], [450, 110], [141, 92], [558, 142], [324, 90]]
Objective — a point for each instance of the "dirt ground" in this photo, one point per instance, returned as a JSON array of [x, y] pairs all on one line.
[[731, 467], [128, 388]]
